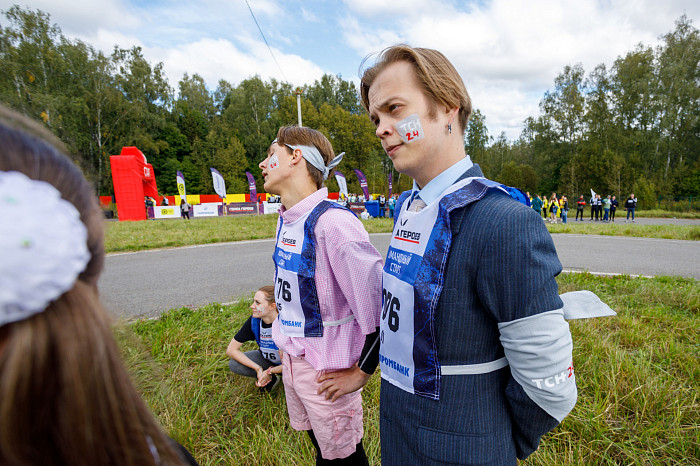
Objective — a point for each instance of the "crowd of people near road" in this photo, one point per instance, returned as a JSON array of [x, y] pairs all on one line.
[[556, 209], [463, 316]]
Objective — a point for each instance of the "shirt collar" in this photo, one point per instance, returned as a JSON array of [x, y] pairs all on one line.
[[444, 180], [303, 206]]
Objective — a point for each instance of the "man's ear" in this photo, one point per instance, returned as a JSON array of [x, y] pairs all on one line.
[[451, 114], [296, 156]]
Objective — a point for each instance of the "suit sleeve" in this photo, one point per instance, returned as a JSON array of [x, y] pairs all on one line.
[[516, 283]]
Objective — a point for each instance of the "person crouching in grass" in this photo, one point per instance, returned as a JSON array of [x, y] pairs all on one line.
[[263, 363]]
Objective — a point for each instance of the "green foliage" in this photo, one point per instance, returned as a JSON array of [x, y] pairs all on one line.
[[690, 185], [633, 127], [477, 137], [646, 192], [520, 176], [97, 104], [335, 91]]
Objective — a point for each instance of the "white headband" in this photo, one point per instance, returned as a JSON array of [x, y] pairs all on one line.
[[314, 157], [43, 245]]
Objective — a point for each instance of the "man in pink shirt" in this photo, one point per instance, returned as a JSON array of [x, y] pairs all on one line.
[[328, 282]]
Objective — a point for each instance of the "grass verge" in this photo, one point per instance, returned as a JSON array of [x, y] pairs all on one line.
[[137, 236], [658, 213], [682, 232], [637, 373]]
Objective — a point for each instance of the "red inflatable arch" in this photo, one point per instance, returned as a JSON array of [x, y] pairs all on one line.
[[133, 180]]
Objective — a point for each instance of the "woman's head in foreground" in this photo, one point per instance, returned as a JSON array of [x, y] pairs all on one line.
[[65, 396]]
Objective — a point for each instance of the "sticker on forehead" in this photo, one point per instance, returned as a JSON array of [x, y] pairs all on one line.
[[274, 162], [410, 128]]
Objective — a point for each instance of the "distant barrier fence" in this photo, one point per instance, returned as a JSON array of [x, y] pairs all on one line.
[[679, 203]]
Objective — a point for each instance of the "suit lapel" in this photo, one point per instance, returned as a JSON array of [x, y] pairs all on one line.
[[457, 215]]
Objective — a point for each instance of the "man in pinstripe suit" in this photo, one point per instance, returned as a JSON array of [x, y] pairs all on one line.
[[475, 352]]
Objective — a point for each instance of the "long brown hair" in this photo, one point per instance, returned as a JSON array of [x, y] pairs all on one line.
[[65, 396]]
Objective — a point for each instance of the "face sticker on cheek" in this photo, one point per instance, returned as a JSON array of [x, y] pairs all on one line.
[[273, 163], [410, 129]]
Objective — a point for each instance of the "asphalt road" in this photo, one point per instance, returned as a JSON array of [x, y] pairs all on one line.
[[144, 284]]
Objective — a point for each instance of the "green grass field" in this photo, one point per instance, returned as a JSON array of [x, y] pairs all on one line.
[[137, 236], [638, 377]]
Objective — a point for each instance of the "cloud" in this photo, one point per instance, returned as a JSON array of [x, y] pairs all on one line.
[[509, 52], [390, 9], [309, 16], [216, 59], [84, 17], [365, 41]]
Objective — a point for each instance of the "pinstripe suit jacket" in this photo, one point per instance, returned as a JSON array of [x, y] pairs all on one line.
[[501, 267]]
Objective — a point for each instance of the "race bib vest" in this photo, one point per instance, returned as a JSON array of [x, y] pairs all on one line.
[[263, 337], [412, 282], [295, 268]]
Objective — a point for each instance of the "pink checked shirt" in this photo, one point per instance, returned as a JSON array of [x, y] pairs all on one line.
[[348, 281]]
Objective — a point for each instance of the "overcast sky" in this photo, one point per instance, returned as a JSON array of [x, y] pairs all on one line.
[[507, 51]]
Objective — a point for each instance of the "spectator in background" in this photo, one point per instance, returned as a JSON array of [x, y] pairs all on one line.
[[630, 206], [606, 208], [553, 208], [613, 208], [580, 204], [164, 201], [185, 209], [564, 205], [597, 207], [537, 204], [545, 206]]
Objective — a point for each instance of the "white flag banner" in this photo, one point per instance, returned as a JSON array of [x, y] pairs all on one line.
[[219, 184], [181, 185], [592, 194], [342, 184]]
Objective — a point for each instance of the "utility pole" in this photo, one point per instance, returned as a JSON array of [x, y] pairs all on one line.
[[299, 105]]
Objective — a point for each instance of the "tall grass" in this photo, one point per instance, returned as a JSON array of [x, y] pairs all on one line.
[[638, 377]]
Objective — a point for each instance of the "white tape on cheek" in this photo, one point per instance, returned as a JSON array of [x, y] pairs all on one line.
[[410, 129], [273, 163]]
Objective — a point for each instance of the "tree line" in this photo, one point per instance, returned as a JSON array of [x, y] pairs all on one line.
[[97, 103], [633, 127]]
